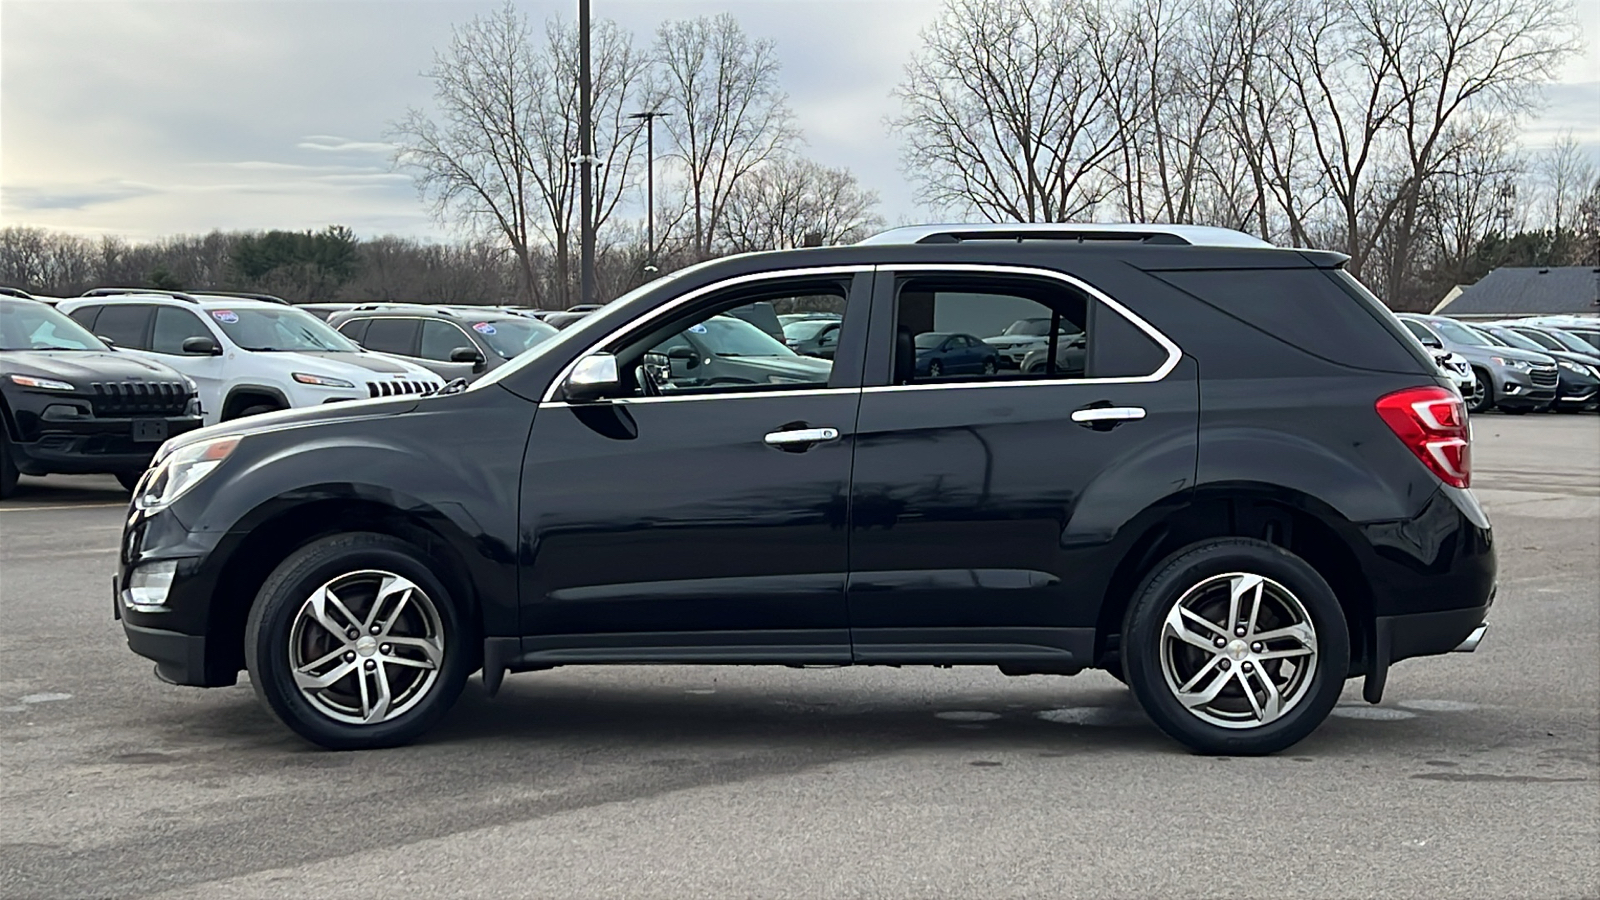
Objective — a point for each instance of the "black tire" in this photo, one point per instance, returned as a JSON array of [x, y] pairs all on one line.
[[8, 466], [129, 480], [989, 367], [256, 410], [1515, 410], [270, 631], [1195, 566], [1482, 400]]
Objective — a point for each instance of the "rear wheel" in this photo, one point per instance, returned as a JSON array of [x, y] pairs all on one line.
[[353, 643], [1481, 397], [935, 369], [1235, 646], [256, 410], [8, 466], [129, 480]]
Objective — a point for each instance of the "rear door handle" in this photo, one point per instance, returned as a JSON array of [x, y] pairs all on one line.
[[801, 437], [1102, 418]]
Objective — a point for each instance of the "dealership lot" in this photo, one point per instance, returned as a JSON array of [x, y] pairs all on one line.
[[1478, 776]]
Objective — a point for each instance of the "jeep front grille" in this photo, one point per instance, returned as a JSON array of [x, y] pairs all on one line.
[[118, 399], [400, 388]]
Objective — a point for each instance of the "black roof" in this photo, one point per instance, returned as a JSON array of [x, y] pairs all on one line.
[[1555, 290]]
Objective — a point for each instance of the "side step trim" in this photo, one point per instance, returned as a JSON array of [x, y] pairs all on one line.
[[1473, 639]]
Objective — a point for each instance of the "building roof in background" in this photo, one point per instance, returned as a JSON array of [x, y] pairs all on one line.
[[1556, 290]]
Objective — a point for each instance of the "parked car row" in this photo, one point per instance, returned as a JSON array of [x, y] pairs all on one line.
[[1518, 366]]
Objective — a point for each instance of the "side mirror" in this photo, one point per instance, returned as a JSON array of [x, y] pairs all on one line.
[[469, 355], [593, 378], [201, 346], [685, 355]]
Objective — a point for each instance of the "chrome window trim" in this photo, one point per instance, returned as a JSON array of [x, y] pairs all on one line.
[[691, 296], [1174, 352], [731, 395]]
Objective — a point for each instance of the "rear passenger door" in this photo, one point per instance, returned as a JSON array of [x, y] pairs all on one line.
[[984, 506]]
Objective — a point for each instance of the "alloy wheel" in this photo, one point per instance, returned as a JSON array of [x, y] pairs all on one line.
[[366, 647], [1238, 650]]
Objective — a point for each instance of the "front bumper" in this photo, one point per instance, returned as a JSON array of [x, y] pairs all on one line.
[[92, 445], [179, 658]]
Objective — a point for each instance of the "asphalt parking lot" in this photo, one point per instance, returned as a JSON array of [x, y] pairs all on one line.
[[1478, 776]]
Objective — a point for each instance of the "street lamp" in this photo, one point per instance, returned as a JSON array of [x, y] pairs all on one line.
[[650, 116]]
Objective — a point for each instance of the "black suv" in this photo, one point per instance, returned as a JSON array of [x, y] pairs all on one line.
[[1255, 488], [452, 341], [71, 405]]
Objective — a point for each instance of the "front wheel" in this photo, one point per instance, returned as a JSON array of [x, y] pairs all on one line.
[[935, 369], [1481, 396], [129, 480], [1235, 646], [353, 643]]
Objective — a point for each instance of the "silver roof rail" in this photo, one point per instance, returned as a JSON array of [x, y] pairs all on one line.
[[1181, 235]]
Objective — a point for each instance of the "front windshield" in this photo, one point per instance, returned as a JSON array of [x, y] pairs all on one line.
[[1491, 337], [30, 325], [283, 330], [806, 329], [1459, 333], [728, 336], [1030, 327], [1576, 345], [1511, 339], [1545, 341], [509, 338]]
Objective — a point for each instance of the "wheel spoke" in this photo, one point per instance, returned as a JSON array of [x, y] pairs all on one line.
[[309, 682], [1177, 629], [1264, 712], [1192, 699], [1300, 632], [1285, 654], [375, 706], [1240, 586], [1204, 670], [316, 664], [391, 586], [319, 603], [429, 647]]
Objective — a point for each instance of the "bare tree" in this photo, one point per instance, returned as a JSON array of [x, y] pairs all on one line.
[[793, 202], [1564, 173], [1008, 109], [726, 113], [496, 156]]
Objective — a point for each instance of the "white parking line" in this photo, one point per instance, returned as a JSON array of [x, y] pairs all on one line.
[[17, 509]]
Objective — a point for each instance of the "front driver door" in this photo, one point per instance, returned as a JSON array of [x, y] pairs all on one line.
[[691, 521]]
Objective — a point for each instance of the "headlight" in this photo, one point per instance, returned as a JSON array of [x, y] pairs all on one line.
[[1595, 371], [49, 384], [1572, 367], [321, 380], [182, 470]]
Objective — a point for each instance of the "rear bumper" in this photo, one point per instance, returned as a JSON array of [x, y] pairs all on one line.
[[1429, 634]]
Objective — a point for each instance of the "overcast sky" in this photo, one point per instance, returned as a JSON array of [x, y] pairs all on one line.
[[179, 116]]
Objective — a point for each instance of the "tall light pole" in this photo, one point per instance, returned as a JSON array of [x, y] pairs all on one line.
[[586, 160], [650, 116]]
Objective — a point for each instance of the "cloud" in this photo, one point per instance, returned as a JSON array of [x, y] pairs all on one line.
[[329, 143], [73, 197]]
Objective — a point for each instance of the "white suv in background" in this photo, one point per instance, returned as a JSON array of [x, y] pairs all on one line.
[[247, 354]]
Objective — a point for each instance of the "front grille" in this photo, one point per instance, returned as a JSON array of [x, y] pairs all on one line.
[[400, 388], [120, 399], [1545, 377]]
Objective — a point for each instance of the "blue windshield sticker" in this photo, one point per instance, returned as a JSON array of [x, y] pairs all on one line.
[[225, 316], [697, 329], [483, 328]]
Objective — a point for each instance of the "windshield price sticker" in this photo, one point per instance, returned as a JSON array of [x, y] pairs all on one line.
[[225, 316], [483, 328]]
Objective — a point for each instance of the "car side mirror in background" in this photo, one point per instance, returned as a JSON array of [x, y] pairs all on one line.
[[201, 346], [469, 355], [685, 355], [593, 378], [107, 341]]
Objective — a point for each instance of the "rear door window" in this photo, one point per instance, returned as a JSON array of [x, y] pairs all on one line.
[[125, 324], [398, 336]]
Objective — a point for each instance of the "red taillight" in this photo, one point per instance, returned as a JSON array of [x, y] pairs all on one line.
[[1432, 421]]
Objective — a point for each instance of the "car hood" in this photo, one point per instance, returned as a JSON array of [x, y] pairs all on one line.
[[1011, 340], [1482, 354], [82, 367], [348, 410], [791, 365], [375, 363]]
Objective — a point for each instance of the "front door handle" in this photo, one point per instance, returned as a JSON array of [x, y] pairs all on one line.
[[800, 438], [1104, 418]]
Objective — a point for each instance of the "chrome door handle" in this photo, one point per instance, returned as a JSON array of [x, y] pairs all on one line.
[[1107, 415], [801, 436]]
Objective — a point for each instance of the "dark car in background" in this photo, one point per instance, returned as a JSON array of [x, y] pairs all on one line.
[[1511, 380], [726, 350], [817, 337], [940, 354], [452, 341], [72, 405], [1579, 386]]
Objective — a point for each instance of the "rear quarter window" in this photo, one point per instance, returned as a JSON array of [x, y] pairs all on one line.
[[1309, 309]]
